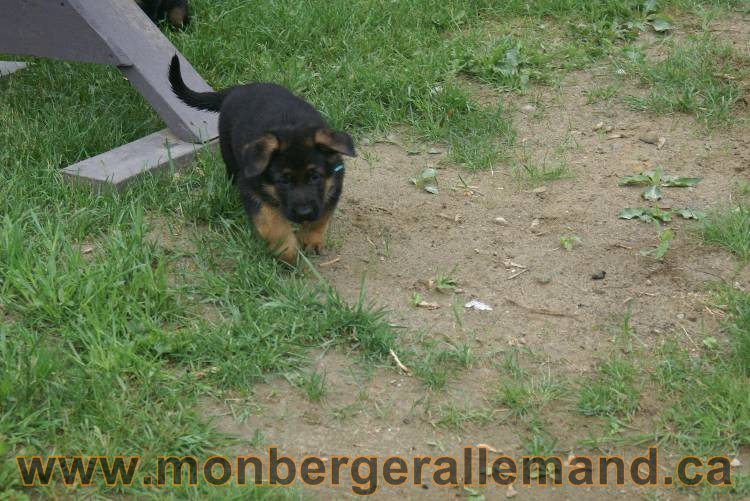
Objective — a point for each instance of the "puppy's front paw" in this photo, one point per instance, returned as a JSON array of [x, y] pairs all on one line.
[[289, 253], [313, 243]]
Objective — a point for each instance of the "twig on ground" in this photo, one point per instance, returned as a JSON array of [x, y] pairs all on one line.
[[401, 366], [540, 311], [329, 263], [517, 274]]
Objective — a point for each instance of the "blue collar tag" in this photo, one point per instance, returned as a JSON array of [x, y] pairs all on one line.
[[338, 168]]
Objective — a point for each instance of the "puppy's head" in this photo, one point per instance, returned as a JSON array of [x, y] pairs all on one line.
[[298, 169]]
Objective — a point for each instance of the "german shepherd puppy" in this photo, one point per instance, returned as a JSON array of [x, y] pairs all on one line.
[[175, 11], [282, 155]]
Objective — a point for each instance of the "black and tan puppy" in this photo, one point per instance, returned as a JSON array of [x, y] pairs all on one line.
[[174, 11], [280, 152]]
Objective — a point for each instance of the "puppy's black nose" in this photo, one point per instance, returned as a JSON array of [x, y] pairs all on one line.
[[304, 212]]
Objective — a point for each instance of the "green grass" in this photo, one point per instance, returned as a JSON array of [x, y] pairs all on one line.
[[577, 32], [710, 410], [119, 311], [365, 64], [436, 364], [457, 418], [313, 385], [530, 173], [730, 228], [108, 351], [614, 391], [699, 76], [526, 396], [603, 93]]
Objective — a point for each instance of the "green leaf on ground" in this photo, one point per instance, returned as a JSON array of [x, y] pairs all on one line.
[[645, 214], [636, 179], [665, 237], [691, 214], [652, 193], [660, 23], [427, 180], [679, 182]]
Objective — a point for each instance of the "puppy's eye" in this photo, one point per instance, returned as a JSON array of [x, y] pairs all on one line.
[[314, 177], [286, 179]]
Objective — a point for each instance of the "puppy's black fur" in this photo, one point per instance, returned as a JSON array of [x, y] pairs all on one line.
[[174, 11], [282, 155]]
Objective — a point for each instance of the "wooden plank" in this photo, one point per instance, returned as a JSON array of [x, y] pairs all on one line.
[[53, 29], [8, 67], [122, 165], [115, 32]]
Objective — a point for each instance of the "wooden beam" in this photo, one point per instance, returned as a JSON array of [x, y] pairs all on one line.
[[114, 32], [118, 167], [8, 67]]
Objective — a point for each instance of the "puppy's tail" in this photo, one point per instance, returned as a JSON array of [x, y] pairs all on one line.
[[209, 101]]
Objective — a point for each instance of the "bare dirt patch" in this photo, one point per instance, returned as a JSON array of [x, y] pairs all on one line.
[[400, 238]]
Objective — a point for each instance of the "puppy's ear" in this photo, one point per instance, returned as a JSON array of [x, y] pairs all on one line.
[[337, 141], [256, 156]]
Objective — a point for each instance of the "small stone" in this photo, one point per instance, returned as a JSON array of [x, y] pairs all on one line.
[[599, 275], [681, 316], [501, 221], [598, 126], [541, 189], [434, 151], [543, 280], [528, 108], [511, 492], [736, 462], [649, 138], [609, 128]]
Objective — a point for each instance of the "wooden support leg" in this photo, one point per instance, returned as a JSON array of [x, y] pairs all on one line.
[[8, 67]]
